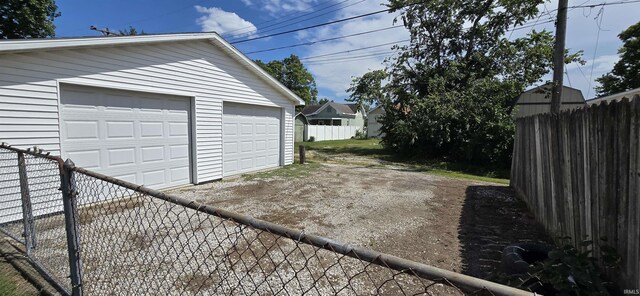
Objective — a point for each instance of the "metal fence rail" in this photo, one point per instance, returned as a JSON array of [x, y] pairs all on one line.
[[122, 238]]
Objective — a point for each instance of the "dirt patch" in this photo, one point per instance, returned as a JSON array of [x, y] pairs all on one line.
[[459, 225], [195, 283]]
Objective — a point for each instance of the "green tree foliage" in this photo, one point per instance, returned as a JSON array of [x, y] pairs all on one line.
[[626, 72], [27, 18], [292, 74], [131, 32], [323, 101], [366, 90], [452, 89]]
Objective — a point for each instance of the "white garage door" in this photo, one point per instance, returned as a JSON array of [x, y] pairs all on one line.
[[138, 137], [251, 137]]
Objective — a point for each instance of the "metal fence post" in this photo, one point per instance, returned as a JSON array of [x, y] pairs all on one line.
[[27, 214], [71, 225]]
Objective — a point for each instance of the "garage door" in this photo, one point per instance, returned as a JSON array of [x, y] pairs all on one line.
[[138, 137], [251, 137]]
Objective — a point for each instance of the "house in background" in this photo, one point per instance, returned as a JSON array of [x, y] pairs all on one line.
[[538, 100], [616, 97], [331, 113], [373, 126], [300, 132], [159, 110]]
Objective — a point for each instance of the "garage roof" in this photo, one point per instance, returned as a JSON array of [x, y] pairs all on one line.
[[36, 44]]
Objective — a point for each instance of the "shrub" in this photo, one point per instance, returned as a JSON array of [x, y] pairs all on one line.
[[360, 134], [472, 125], [568, 271]]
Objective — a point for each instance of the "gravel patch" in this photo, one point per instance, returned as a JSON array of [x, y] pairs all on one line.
[[141, 245]]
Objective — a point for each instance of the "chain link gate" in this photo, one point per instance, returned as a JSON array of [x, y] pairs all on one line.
[[98, 235]]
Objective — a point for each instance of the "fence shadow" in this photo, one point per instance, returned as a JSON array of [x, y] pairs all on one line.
[[491, 219]]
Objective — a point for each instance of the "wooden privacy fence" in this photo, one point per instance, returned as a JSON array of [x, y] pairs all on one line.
[[579, 173], [331, 132]]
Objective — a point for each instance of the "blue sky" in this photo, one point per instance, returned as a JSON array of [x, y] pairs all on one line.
[[593, 30]]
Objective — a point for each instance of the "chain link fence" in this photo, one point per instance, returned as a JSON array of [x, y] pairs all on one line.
[[126, 239]]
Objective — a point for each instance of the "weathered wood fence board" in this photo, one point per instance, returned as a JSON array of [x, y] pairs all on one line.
[[579, 173]]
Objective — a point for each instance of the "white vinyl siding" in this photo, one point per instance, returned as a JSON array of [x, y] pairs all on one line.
[[29, 90]]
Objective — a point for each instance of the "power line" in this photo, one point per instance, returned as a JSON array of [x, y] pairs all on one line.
[[605, 4], [345, 60], [289, 19], [307, 19], [324, 40], [348, 56], [312, 61], [363, 33], [595, 50], [356, 49], [567, 74], [313, 26], [387, 10]]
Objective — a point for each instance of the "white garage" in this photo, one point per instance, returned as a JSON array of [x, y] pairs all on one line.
[[251, 137], [137, 137], [158, 110]]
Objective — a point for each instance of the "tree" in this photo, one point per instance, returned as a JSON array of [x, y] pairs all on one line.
[[452, 88], [366, 90], [27, 18], [625, 74], [323, 101], [131, 32], [292, 74]]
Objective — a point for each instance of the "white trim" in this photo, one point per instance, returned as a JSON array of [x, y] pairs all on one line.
[[283, 135], [120, 86], [193, 140], [615, 96], [26, 45], [337, 112], [319, 109], [22, 45], [374, 109]]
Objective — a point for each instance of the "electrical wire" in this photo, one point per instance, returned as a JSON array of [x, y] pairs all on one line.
[[311, 27], [314, 61], [567, 74], [595, 50], [306, 19], [289, 19], [356, 49], [346, 59], [324, 40], [361, 33]]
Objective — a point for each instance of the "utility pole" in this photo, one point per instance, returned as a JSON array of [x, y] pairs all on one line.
[[558, 56]]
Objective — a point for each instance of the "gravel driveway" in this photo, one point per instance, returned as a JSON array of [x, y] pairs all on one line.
[[454, 224]]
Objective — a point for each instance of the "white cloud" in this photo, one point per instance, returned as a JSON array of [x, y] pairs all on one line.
[[224, 22], [335, 76], [278, 7]]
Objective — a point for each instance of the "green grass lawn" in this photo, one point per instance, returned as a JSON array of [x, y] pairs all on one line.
[[291, 171], [372, 148], [12, 283]]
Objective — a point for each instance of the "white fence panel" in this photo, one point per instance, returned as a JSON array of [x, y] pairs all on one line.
[[328, 132]]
